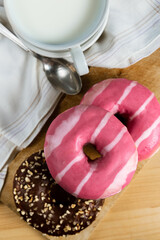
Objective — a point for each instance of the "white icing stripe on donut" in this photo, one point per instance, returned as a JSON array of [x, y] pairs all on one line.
[[101, 125], [111, 145], [91, 95], [121, 176], [154, 152], [85, 179], [147, 132], [124, 95], [66, 169], [62, 130], [142, 108]]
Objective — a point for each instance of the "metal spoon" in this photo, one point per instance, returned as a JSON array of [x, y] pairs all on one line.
[[59, 72]]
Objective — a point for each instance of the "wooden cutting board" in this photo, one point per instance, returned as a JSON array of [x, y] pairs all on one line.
[[146, 72]]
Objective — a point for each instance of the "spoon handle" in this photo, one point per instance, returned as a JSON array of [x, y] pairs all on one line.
[[4, 31]]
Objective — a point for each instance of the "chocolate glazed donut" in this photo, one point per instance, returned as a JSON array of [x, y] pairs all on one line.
[[45, 205]]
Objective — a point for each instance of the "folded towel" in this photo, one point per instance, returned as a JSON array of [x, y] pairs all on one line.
[[132, 33], [27, 100]]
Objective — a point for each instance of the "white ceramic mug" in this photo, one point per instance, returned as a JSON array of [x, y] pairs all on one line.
[[73, 48]]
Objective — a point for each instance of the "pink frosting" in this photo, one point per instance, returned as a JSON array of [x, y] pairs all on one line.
[[70, 167], [136, 104]]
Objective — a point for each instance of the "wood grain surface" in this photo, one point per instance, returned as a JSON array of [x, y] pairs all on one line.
[[128, 220], [135, 216]]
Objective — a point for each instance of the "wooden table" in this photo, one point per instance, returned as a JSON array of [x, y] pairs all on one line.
[[135, 216]]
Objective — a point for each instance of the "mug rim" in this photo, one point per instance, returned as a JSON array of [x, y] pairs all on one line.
[[61, 47], [66, 52]]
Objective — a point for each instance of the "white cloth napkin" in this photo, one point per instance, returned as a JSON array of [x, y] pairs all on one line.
[[26, 100], [26, 97], [132, 33]]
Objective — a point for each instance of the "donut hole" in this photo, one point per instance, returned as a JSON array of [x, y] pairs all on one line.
[[91, 152], [122, 117]]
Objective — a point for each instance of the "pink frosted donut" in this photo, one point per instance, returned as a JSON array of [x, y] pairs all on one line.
[[70, 167], [135, 105]]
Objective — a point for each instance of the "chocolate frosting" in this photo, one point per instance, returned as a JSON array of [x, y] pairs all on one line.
[[45, 205]]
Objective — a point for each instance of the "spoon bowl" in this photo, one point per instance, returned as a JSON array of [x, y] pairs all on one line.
[[62, 74]]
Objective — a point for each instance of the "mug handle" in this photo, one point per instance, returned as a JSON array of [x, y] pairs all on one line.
[[79, 60]]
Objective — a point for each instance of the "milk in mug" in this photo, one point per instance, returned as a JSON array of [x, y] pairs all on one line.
[[53, 21]]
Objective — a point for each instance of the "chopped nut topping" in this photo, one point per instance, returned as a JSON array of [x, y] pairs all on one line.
[[28, 219], [73, 205], [26, 163], [61, 221], [50, 215], [31, 199], [36, 199], [48, 222], [37, 164], [50, 208], [36, 157], [23, 212], [58, 227], [16, 197], [67, 228], [27, 179], [26, 198], [45, 209], [37, 176], [45, 205], [31, 213], [43, 154], [30, 173], [44, 177], [20, 198], [31, 204], [14, 191]]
